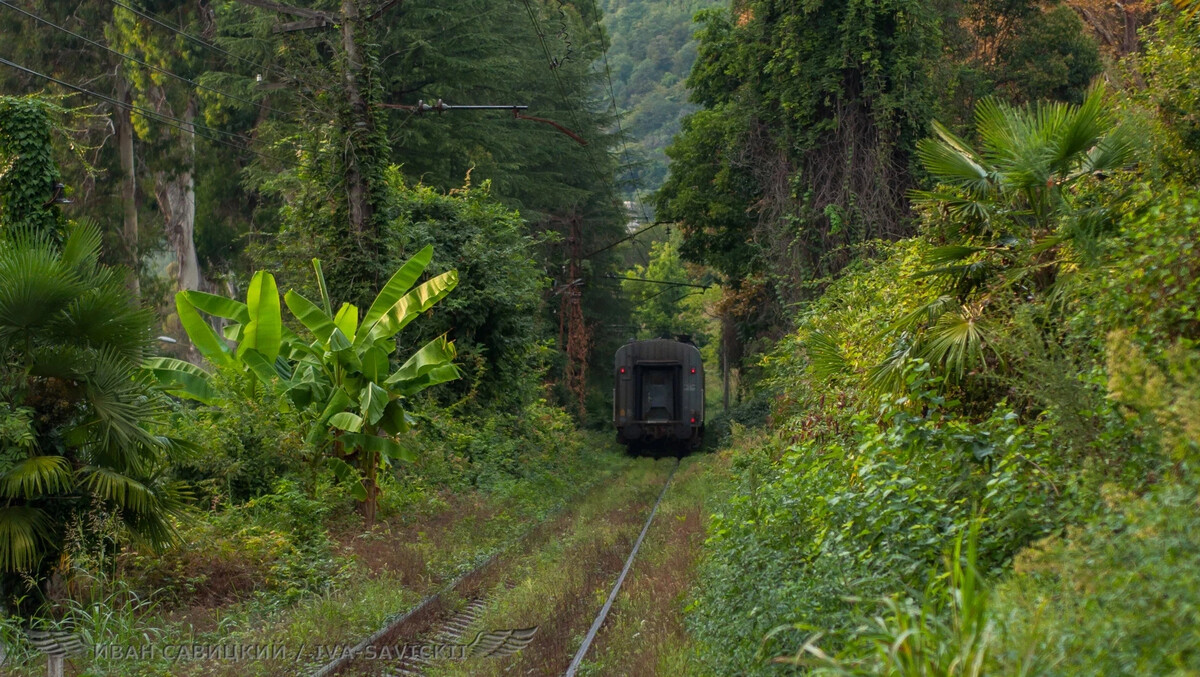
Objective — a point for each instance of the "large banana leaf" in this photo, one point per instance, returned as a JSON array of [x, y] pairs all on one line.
[[395, 288], [218, 306], [347, 320], [202, 335], [184, 378], [264, 331], [312, 317], [411, 305], [385, 447], [372, 402], [430, 365], [346, 473]]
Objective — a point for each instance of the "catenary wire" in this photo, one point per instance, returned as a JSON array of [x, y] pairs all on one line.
[[157, 117], [138, 61]]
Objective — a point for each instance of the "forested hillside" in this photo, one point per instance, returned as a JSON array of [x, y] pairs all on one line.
[[650, 54]]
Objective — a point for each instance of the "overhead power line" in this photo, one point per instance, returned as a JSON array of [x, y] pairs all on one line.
[[553, 64], [613, 276], [190, 127], [136, 60], [610, 245]]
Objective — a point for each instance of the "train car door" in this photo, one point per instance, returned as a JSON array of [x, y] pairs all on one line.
[[659, 392]]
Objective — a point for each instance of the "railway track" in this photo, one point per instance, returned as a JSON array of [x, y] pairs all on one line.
[[452, 618]]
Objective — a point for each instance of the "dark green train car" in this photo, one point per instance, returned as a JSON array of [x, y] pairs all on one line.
[[658, 393]]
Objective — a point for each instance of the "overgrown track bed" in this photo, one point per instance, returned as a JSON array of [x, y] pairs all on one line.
[[554, 580]]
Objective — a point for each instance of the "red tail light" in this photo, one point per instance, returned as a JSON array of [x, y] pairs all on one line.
[[693, 419]]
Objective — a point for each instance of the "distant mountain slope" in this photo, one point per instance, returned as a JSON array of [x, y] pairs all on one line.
[[651, 55]]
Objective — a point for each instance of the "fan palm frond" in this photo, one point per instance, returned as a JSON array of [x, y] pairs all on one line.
[[81, 248], [953, 162], [1079, 129], [888, 376], [122, 490], [956, 342], [825, 356], [23, 532], [34, 286], [37, 476]]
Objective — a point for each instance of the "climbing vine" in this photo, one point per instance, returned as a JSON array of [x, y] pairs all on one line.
[[29, 178]]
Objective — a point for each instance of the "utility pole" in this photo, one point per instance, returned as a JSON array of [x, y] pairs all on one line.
[[362, 122], [573, 333]]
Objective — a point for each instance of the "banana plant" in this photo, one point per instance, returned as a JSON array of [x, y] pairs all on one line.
[[339, 376]]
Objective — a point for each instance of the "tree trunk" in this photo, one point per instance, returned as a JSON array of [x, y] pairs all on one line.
[[176, 193], [371, 484], [129, 230], [360, 120]]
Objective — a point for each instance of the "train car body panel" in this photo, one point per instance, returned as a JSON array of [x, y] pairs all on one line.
[[658, 393]]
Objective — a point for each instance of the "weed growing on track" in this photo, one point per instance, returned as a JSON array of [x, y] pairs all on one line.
[[645, 634], [561, 584]]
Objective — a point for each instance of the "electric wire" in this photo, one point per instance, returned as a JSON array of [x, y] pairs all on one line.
[[182, 125], [537, 28], [138, 61]]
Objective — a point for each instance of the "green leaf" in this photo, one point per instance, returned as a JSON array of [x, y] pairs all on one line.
[[428, 366], [261, 367], [395, 288], [338, 401], [413, 304], [347, 320], [338, 341], [122, 490], [37, 476], [375, 363], [394, 420], [347, 474], [218, 306], [23, 531], [183, 379], [324, 290], [312, 317], [344, 420], [265, 329], [203, 337], [372, 402], [388, 448]]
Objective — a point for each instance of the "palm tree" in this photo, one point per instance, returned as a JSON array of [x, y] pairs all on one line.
[[74, 403], [1014, 205]]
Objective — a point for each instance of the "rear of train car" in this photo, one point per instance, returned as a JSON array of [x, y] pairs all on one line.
[[658, 394]]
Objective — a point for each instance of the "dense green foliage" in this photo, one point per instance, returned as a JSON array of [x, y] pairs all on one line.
[[805, 146], [1018, 379], [75, 410]]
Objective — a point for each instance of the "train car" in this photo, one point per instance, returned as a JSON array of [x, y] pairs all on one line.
[[658, 394]]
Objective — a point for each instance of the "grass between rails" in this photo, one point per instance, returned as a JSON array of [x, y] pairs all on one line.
[[560, 585], [377, 573], [645, 633]]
